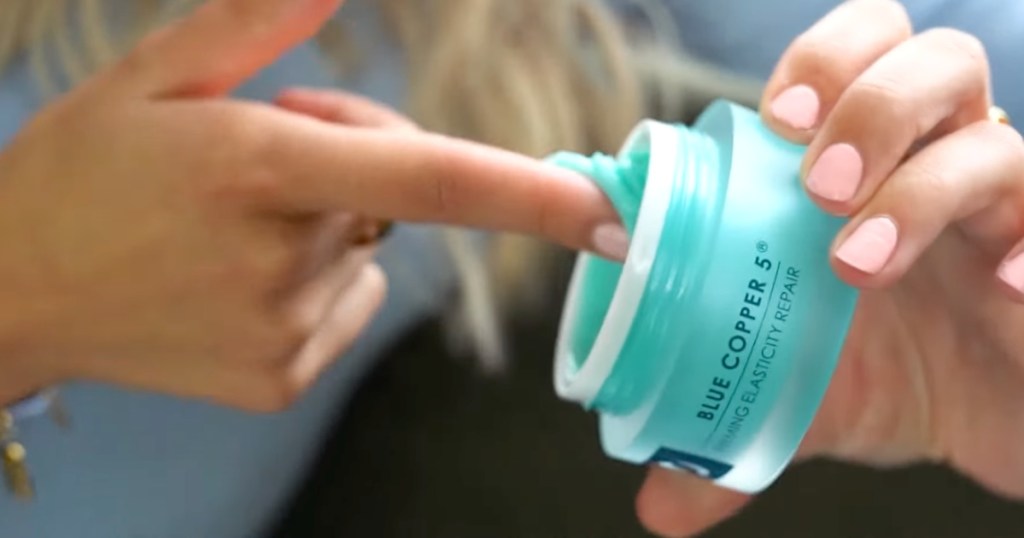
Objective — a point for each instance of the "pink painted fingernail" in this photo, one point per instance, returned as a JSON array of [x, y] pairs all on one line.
[[870, 246], [1012, 271], [797, 107], [837, 173], [611, 241]]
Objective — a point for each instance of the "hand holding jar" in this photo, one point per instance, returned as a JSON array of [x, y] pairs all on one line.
[[902, 142]]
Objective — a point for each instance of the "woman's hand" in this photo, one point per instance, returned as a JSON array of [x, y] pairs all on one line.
[[900, 142], [156, 234]]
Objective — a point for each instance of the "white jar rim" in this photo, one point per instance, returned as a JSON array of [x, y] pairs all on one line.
[[583, 383]]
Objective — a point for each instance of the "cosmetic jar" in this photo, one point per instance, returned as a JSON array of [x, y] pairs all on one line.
[[710, 347]]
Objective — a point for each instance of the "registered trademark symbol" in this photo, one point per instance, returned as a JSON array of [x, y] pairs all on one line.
[[762, 247]]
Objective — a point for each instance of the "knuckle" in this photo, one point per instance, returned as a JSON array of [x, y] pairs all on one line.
[[262, 269], [441, 169], [272, 393], [291, 331], [821, 55], [879, 91], [957, 42], [892, 15], [269, 345], [276, 264], [895, 13], [237, 168], [885, 97], [826, 48], [285, 339], [442, 194], [272, 386], [927, 181]]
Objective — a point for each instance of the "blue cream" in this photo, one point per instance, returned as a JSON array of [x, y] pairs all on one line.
[[711, 347]]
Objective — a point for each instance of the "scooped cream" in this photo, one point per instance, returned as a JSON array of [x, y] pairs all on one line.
[[622, 179]]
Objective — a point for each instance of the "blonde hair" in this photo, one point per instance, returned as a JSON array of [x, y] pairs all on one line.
[[531, 76]]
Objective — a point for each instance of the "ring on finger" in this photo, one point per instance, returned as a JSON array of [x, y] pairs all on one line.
[[999, 115], [368, 231]]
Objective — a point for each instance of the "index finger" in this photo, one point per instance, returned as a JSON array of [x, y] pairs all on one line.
[[423, 177]]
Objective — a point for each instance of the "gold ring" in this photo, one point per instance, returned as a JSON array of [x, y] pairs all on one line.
[[371, 231], [998, 115]]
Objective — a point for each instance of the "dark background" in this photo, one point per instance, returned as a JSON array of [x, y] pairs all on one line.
[[430, 448]]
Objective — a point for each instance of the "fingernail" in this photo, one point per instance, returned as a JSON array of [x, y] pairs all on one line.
[[837, 173], [797, 107], [1012, 271], [870, 246], [611, 241]]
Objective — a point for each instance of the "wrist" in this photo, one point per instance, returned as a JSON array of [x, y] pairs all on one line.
[[18, 379], [17, 387], [25, 310], [21, 374]]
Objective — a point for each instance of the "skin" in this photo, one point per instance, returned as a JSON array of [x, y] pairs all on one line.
[[159, 235], [206, 256], [933, 368]]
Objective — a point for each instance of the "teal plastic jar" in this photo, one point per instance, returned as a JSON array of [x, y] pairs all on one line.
[[711, 347]]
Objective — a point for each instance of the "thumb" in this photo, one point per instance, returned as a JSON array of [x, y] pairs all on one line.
[[676, 504], [219, 46]]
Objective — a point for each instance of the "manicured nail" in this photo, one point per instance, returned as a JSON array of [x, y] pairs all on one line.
[[837, 173], [611, 241], [870, 246], [1012, 271], [797, 107]]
